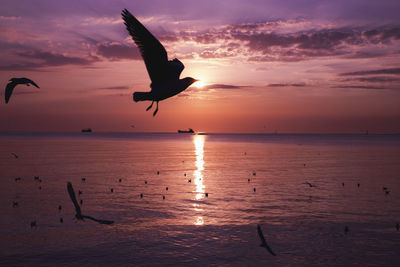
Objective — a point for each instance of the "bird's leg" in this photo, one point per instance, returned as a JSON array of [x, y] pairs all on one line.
[[155, 112], [150, 106]]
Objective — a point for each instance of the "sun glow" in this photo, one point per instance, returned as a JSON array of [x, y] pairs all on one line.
[[199, 84]]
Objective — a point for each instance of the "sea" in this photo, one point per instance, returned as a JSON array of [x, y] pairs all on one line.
[[197, 199]]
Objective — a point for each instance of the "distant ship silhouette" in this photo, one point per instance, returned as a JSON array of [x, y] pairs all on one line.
[[88, 130], [188, 131]]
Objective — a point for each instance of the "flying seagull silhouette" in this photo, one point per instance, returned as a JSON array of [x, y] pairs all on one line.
[[263, 242], [309, 184], [164, 73], [14, 82], [78, 211]]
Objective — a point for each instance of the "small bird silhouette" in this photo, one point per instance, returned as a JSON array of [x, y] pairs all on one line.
[[309, 184], [164, 73], [78, 211], [14, 82], [263, 242], [346, 230], [15, 155]]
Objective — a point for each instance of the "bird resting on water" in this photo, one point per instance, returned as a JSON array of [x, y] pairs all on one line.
[[164, 73], [14, 82]]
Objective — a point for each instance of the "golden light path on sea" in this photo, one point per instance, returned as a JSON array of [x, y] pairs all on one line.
[[198, 141]]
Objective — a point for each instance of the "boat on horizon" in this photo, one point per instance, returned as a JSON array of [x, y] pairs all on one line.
[[88, 130], [188, 131]]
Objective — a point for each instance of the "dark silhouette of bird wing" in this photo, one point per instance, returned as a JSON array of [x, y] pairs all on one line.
[[29, 81], [152, 51], [15, 155], [263, 242], [9, 89], [73, 198], [175, 68], [97, 220]]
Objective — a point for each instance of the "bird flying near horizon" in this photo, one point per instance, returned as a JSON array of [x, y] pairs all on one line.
[[14, 82], [164, 73]]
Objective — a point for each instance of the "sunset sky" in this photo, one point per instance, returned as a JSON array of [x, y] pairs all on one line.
[[291, 66]]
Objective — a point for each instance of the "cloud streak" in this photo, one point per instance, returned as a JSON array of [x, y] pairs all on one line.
[[269, 41], [117, 51], [395, 71], [286, 85]]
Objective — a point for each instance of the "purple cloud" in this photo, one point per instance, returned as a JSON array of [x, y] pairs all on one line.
[[286, 85], [372, 72], [36, 59], [360, 87], [223, 86], [378, 79], [116, 51], [114, 88], [266, 42]]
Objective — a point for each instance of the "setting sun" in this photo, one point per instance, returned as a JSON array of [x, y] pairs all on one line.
[[199, 84]]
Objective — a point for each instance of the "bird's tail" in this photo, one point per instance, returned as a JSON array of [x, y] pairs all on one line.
[[142, 96]]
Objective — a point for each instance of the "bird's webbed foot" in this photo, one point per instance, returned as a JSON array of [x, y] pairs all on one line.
[[147, 109], [155, 111]]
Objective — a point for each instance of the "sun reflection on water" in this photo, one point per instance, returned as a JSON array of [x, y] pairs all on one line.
[[198, 141], [198, 175]]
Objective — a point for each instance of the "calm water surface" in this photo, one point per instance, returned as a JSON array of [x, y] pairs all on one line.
[[212, 220]]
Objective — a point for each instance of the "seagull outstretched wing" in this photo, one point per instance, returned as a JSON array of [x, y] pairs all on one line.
[[73, 198], [263, 242], [9, 89], [29, 81], [79, 214], [97, 220], [152, 51]]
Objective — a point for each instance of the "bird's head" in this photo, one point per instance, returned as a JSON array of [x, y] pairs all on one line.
[[12, 79], [188, 81]]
